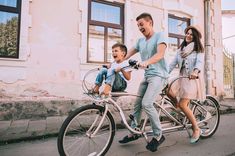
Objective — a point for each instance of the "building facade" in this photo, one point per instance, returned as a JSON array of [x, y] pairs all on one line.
[[57, 42]]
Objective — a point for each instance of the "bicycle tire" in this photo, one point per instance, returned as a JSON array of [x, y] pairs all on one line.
[[83, 118], [210, 126]]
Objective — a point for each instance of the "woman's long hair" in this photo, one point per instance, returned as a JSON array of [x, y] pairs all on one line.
[[196, 39]]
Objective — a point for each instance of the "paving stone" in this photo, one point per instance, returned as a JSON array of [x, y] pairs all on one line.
[[37, 127], [63, 118], [53, 124], [18, 126], [4, 125]]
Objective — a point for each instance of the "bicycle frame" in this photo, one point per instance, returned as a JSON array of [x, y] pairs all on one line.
[[161, 105], [176, 125]]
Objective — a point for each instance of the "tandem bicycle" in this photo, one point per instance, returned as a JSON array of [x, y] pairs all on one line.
[[90, 129]]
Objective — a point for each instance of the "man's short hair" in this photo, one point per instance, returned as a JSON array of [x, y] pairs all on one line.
[[146, 16], [121, 46]]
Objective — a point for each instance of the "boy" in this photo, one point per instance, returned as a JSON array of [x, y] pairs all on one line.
[[152, 49], [115, 75]]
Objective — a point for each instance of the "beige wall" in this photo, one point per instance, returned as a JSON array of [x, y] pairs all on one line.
[[217, 49], [54, 43], [52, 61]]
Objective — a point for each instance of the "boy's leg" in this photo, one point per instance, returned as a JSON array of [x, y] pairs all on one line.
[[109, 81], [115, 83], [99, 79], [119, 83], [107, 89]]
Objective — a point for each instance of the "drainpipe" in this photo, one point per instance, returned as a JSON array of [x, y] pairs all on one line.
[[207, 22]]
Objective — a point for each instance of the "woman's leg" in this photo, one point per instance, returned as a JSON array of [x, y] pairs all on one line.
[[183, 104], [173, 98]]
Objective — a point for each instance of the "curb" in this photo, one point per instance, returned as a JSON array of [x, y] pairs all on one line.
[[34, 135]]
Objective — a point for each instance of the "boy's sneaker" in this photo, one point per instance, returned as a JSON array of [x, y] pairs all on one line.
[[103, 96], [91, 91], [154, 143]]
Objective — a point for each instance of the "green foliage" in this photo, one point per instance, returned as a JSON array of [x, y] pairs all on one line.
[[8, 37]]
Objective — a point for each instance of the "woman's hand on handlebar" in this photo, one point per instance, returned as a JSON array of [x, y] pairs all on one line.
[[193, 75]]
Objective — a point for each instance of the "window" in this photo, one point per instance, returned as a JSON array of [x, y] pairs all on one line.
[[176, 26], [105, 27], [9, 28]]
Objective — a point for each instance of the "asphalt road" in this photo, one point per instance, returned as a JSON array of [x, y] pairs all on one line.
[[176, 144]]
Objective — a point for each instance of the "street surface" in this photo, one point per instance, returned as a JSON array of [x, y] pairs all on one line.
[[176, 144]]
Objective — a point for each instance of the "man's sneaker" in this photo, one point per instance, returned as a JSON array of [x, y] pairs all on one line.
[[154, 143], [127, 139]]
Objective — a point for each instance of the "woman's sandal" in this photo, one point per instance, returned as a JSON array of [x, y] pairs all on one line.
[[127, 139], [194, 140]]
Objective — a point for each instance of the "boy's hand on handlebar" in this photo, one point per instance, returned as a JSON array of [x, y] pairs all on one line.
[[118, 69], [106, 66]]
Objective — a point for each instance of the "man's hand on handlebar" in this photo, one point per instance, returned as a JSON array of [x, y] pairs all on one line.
[[136, 64], [143, 64]]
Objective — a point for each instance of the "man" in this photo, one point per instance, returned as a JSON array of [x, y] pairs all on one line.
[[152, 49]]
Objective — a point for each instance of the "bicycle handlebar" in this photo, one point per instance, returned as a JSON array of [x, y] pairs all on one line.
[[134, 64]]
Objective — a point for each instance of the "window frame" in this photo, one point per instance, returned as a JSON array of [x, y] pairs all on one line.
[[16, 10], [177, 36], [106, 26]]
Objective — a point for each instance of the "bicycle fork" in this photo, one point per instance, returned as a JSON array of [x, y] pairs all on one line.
[[89, 131]]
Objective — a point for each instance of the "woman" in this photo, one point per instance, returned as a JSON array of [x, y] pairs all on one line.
[[190, 60]]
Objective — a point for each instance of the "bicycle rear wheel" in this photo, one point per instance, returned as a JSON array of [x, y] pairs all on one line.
[[211, 116], [75, 136]]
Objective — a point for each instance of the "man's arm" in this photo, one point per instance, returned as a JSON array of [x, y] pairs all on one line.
[[161, 48], [130, 53]]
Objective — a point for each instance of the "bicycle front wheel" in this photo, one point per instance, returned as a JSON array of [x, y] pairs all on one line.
[[76, 136], [209, 114]]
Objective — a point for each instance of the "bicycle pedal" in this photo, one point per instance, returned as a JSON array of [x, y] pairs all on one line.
[[131, 116], [205, 130]]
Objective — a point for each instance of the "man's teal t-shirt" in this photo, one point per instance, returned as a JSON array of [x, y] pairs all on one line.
[[147, 48]]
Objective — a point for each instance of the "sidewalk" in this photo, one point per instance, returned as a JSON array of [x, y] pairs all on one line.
[[31, 119]]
